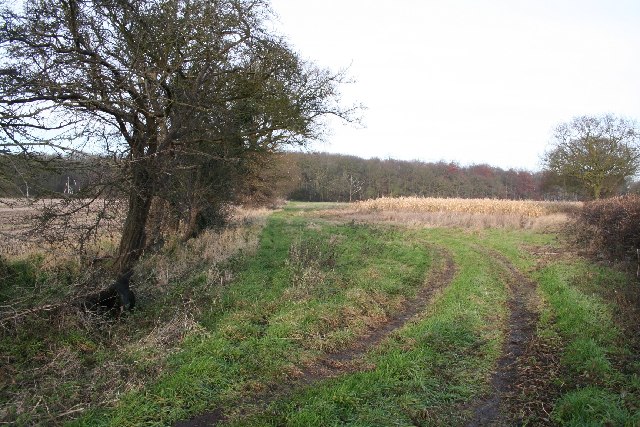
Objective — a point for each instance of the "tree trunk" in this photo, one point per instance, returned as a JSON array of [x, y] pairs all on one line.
[[158, 221], [192, 225], [133, 234]]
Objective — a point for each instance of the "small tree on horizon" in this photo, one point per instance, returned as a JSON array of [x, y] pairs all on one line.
[[597, 152]]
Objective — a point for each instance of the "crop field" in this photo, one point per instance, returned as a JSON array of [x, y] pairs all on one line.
[[14, 221], [368, 314], [528, 208], [24, 231], [456, 212]]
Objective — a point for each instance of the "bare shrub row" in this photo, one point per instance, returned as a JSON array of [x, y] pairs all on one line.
[[609, 228]]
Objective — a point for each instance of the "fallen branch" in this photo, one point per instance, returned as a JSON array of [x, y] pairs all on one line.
[[21, 314]]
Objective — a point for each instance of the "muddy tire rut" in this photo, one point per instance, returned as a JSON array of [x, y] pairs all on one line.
[[500, 406], [344, 361]]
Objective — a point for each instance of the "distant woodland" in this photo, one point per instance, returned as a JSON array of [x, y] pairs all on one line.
[[331, 177], [318, 177]]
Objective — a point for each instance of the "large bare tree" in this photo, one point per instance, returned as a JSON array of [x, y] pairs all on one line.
[[172, 88], [596, 152]]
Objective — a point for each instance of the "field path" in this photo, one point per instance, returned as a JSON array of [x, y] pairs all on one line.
[[494, 409], [344, 361]]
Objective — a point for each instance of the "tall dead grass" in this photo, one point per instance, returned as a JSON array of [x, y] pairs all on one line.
[[457, 212], [85, 361], [529, 208], [177, 260]]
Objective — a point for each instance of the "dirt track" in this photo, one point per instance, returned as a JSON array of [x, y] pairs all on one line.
[[498, 408], [503, 405], [344, 361]]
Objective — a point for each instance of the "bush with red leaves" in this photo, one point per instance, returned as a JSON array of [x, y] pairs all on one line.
[[610, 227]]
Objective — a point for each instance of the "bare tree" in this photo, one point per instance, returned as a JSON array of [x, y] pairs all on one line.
[[355, 186], [597, 152], [168, 87]]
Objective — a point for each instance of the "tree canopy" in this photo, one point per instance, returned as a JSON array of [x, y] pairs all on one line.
[[595, 152], [182, 93]]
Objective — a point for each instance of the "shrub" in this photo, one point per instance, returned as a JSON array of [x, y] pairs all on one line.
[[609, 227]]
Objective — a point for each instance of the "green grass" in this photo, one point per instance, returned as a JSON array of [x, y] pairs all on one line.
[[427, 372], [309, 288], [313, 286], [578, 311], [597, 392], [28, 281]]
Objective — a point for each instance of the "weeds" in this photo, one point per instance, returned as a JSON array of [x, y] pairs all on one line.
[[59, 361]]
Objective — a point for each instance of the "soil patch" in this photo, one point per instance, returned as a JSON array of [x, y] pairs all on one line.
[[344, 361]]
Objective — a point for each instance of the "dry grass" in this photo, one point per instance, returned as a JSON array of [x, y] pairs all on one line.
[[465, 213], [528, 208], [72, 227], [80, 360], [212, 247]]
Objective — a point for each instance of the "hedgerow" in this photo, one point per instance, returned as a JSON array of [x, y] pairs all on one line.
[[609, 228]]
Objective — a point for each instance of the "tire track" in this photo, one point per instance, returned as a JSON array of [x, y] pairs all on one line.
[[493, 410], [344, 361]]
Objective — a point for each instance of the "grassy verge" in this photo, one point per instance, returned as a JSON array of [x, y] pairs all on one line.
[[56, 361], [311, 287], [584, 316], [602, 385]]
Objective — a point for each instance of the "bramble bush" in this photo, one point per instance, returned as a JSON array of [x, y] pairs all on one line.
[[609, 227]]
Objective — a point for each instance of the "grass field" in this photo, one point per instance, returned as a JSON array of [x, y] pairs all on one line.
[[320, 315]]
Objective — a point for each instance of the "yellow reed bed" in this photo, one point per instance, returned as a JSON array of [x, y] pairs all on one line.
[[529, 208]]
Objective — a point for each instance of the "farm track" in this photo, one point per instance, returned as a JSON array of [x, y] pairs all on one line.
[[342, 362], [503, 405]]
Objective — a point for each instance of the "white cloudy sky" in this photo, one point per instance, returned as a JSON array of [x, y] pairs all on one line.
[[470, 81]]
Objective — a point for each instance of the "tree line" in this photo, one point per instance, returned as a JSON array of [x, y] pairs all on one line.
[[306, 176], [326, 177], [589, 157]]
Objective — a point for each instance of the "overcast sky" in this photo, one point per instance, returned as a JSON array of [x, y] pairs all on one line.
[[467, 80]]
